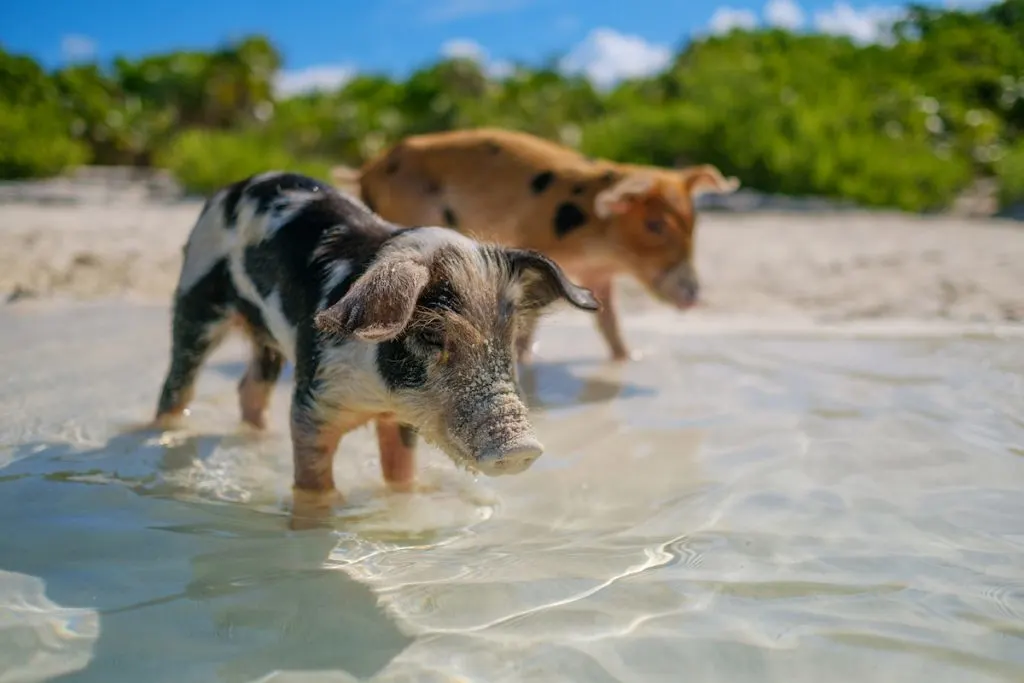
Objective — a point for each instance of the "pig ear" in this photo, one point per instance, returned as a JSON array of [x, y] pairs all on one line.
[[544, 281], [618, 198], [706, 179], [379, 304]]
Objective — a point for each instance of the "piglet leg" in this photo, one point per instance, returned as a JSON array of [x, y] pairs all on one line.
[[397, 444], [314, 442], [200, 323], [257, 384], [607, 318]]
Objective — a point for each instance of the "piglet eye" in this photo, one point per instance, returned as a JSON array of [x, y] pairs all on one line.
[[432, 337], [655, 225]]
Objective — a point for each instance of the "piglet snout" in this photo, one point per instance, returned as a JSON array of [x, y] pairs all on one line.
[[511, 458], [680, 287]]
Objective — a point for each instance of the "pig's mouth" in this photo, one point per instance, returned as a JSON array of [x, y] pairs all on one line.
[[497, 460], [677, 287], [493, 460]]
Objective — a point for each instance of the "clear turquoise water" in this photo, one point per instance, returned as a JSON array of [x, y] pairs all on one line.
[[733, 508]]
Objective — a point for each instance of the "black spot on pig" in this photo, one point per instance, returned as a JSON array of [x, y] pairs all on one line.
[[253, 317], [450, 219], [568, 217], [268, 190], [408, 435], [398, 366], [231, 199], [261, 267], [541, 181]]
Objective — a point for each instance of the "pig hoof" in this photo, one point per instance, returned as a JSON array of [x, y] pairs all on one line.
[[625, 356], [508, 461], [160, 423], [312, 509], [256, 422]]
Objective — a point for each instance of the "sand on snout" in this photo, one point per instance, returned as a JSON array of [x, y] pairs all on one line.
[[822, 266]]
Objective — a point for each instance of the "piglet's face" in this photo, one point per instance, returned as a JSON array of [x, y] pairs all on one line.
[[445, 312], [653, 221]]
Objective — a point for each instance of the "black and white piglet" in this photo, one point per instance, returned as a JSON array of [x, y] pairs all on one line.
[[411, 327]]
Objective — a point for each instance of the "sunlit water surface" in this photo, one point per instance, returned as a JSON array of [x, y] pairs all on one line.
[[732, 507]]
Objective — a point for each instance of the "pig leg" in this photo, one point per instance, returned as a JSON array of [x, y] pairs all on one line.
[[314, 441], [317, 425], [200, 323], [607, 318], [257, 384], [397, 444]]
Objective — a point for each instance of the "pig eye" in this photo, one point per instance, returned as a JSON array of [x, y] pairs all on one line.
[[655, 225], [431, 337]]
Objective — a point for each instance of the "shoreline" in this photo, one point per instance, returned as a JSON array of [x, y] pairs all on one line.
[[779, 266]]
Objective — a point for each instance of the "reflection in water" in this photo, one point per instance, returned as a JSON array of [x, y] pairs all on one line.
[[225, 588], [39, 639], [735, 509], [550, 384]]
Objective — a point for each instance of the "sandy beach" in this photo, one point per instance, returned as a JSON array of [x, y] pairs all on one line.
[[110, 240]]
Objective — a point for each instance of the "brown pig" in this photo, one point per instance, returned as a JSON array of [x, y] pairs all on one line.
[[596, 218], [412, 328]]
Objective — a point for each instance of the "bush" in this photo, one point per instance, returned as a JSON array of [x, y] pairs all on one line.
[[203, 161], [788, 150], [35, 143], [1010, 173]]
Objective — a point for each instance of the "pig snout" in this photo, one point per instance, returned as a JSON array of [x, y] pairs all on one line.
[[496, 431], [509, 458], [679, 286]]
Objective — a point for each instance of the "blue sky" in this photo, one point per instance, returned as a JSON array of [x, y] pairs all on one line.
[[324, 42]]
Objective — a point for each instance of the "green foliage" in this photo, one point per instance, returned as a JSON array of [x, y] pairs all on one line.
[[1010, 171], [904, 123], [205, 160], [34, 142]]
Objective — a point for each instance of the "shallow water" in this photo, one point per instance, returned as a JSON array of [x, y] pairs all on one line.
[[732, 507]]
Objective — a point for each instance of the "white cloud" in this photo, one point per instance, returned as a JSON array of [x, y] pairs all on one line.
[[464, 48], [440, 11], [726, 19], [310, 79], [74, 48], [867, 25], [607, 56], [785, 14]]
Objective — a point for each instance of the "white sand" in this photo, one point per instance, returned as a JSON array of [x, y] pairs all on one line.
[[839, 266]]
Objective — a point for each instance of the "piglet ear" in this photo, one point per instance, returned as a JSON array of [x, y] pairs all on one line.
[[544, 281], [621, 196], [379, 304], [706, 179]]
